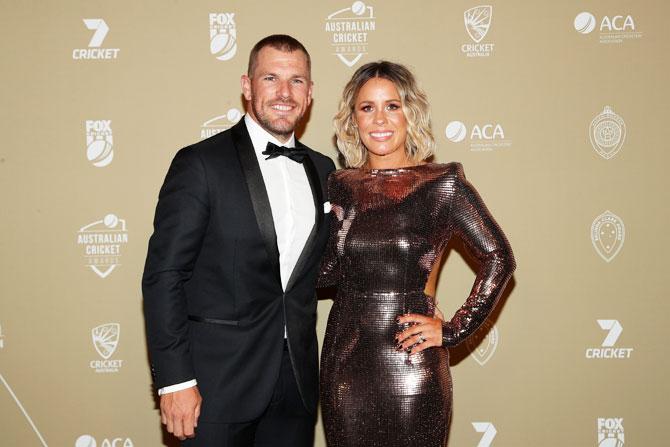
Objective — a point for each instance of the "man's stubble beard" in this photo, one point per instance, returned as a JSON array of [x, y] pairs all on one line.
[[267, 124]]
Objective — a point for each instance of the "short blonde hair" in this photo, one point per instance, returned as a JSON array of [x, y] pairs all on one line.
[[419, 144]]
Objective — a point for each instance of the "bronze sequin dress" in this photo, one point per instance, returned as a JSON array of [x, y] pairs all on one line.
[[389, 227]]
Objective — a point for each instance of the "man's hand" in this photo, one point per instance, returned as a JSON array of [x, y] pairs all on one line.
[[180, 411]]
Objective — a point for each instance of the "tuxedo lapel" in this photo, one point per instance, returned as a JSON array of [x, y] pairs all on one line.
[[317, 196], [257, 193]]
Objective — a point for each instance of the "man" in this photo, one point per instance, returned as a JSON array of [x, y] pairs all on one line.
[[229, 280]]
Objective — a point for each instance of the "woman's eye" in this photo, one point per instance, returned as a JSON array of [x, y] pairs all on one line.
[[393, 106], [366, 108]]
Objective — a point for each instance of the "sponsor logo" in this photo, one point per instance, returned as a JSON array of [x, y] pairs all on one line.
[[2, 339], [607, 349], [482, 137], [222, 35], [99, 142], [89, 441], [613, 28], [607, 133], [102, 242], [94, 50], [610, 432], [220, 123], [105, 341], [482, 352], [488, 430], [477, 25], [349, 30], [607, 235]]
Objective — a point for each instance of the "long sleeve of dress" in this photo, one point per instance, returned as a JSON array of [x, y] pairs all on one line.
[[329, 273], [469, 219]]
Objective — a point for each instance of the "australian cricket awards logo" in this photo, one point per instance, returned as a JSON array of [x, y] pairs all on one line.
[[607, 133], [614, 29], [99, 142], [482, 137], [350, 30], [105, 341], [477, 25], [222, 35], [488, 431], [220, 123], [102, 242], [483, 351], [95, 50], [607, 235], [610, 432], [608, 348]]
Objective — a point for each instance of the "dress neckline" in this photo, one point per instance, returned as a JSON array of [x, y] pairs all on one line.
[[388, 171]]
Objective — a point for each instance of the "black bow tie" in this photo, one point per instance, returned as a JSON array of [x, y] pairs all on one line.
[[272, 151]]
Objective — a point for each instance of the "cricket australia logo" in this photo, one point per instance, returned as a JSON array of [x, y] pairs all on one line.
[[105, 341], [607, 235], [477, 25], [222, 35], [482, 352], [349, 31], [99, 142], [102, 241], [608, 133], [220, 123], [610, 432]]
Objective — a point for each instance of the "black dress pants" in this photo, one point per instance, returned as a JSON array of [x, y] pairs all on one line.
[[284, 423]]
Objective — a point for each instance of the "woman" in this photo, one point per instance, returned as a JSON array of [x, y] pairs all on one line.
[[385, 377]]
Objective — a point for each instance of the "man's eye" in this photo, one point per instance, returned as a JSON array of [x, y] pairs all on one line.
[[298, 81], [269, 78]]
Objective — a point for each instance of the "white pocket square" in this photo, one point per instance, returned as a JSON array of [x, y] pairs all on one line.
[[326, 207]]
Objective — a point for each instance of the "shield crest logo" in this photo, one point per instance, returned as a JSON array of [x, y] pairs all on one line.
[[607, 133], [106, 339], [478, 21], [483, 343], [607, 235]]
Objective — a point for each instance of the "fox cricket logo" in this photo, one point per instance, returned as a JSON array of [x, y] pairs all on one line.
[[607, 235], [99, 142], [477, 25], [607, 350], [488, 430], [222, 35], [484, 137], [102, 241], [220, 123], [610, 432], [607, 133], [89, 441], [613, 29], [488, 334], [105, 341], [349, 31], [94, 50]]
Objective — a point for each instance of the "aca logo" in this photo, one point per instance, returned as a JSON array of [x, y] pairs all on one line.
[[488, 433], [607, 235], [477, 25], [488, 334], [99, 142], [222, 35], [607, 133], [607, 349], [610, 432], [481, 137], [613, 29], [94, 50], [105, 341], [89, 441], [102, 241], [220, 123], [349, 30]]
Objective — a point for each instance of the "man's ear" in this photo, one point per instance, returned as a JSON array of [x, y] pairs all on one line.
[[245, 82]]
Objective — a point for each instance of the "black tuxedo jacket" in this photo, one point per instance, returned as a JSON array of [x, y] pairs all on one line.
[[214, 305]]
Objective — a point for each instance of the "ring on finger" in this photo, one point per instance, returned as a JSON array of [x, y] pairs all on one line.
[[421, 338]]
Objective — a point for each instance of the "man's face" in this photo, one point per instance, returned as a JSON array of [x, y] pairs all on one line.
[[278, 91]]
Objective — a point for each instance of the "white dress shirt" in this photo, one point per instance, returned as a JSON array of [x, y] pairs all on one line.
[[291, 204]]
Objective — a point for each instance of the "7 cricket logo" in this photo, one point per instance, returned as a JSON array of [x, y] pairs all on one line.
[[94, 50], [607, 349], [488, 433]]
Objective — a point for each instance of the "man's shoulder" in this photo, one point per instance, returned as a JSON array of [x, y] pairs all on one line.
[[320, 160], [215, 145]]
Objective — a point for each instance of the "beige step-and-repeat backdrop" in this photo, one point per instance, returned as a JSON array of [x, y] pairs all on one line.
[[557, 109]]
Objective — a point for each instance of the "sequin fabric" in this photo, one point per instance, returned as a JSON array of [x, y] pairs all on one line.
[[389, 228]]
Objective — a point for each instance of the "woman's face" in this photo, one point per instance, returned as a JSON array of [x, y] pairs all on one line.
[[382, 126]]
